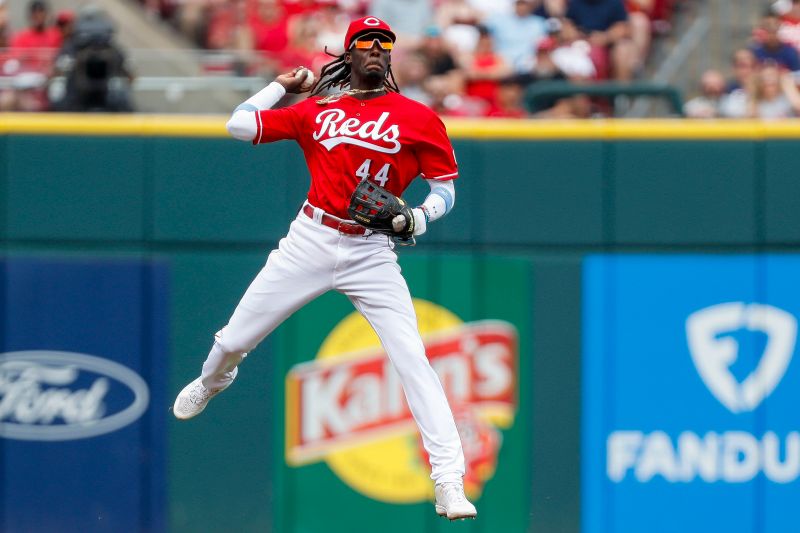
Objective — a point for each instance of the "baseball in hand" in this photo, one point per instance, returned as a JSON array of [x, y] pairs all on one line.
[[399, 223], [309, 79]]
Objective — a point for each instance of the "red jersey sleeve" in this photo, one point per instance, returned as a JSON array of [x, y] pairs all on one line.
[[437, 160], [277, 124]]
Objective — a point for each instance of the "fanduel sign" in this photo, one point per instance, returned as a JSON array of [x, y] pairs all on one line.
[[690, 393]]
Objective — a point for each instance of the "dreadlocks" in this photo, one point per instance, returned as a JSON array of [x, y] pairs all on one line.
[[337, 74]]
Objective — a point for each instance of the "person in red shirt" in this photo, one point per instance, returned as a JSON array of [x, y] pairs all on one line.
[[510, 101], [485, 69], [355, 126], [268, 21], [35, 46], [789, 31]]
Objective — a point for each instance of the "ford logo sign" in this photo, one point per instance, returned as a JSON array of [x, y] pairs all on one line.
[[52, 396]]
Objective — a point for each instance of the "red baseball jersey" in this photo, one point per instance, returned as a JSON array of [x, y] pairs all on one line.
[[391, 138]]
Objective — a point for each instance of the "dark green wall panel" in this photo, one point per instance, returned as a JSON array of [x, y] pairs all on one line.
[[459, 225], [225, 190], [540, 193], [782, 192], [76, 188], [556, 393], [683, 192], [214, 208], [220, 471]]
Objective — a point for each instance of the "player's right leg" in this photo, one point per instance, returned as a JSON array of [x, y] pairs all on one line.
[[296, 273]]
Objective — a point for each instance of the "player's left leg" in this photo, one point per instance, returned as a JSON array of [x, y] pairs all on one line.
[[373, 282]]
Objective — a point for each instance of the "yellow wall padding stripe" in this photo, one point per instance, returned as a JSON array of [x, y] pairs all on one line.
[[113, 124], [214, 126]]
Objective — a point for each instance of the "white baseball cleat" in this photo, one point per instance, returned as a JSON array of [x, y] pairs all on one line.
[[451, 501], [194, 397]]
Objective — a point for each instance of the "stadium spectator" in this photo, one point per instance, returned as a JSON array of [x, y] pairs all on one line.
[[458, 21], [775, 95], [35, 46], [606, 25], [65, 24], [707, 104], [301, 7], [489, 8], [229, 28], [433, 47], [545, 68], [552, 9], [510, 99], [26, 93], [661, 15], [744, 68], [563, 56], [6, 93], [640, 14], [789, 31], [408, 18], [449, 99], [331, 24], [769, 47], [770, 94], [518, 34], [412, 75], [484, 70], [302, 48], [5, 29], [572, 53], [191, 19], [578, 106], [269, 24]]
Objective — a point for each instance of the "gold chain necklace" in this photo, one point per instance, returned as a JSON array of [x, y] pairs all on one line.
[[349, 92]]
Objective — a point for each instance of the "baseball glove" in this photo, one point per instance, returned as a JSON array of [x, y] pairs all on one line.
[[377, 209]]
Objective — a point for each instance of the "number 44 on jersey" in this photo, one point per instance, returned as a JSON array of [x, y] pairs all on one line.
[[380, 178]]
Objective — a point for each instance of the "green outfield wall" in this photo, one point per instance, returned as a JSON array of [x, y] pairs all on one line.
[[533, 198]]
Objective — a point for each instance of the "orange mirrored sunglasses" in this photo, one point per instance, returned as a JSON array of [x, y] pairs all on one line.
[[365, 42]]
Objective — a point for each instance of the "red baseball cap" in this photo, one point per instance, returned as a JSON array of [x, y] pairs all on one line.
[[366, 25]]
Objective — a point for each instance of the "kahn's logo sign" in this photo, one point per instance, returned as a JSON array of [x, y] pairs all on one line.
[[373, 134], [52, 396], [714, 350]]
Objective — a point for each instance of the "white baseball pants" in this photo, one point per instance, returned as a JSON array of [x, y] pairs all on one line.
[[313, 259]]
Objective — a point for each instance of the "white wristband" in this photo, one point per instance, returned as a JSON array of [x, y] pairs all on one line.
[[420, 221]]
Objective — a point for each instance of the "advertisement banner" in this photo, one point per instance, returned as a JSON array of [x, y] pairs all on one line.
[[691, 383], [350, 441], [82, 407]]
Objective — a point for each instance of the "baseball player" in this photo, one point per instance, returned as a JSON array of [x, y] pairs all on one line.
[[354, 126]]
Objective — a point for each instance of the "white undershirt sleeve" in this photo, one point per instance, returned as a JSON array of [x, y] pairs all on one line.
[[242, 124]]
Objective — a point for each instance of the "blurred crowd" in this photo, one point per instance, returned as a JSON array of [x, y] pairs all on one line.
[[62, 62], [762, 79], [469, 58]]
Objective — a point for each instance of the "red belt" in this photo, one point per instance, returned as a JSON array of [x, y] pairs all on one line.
[[335, 223]]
